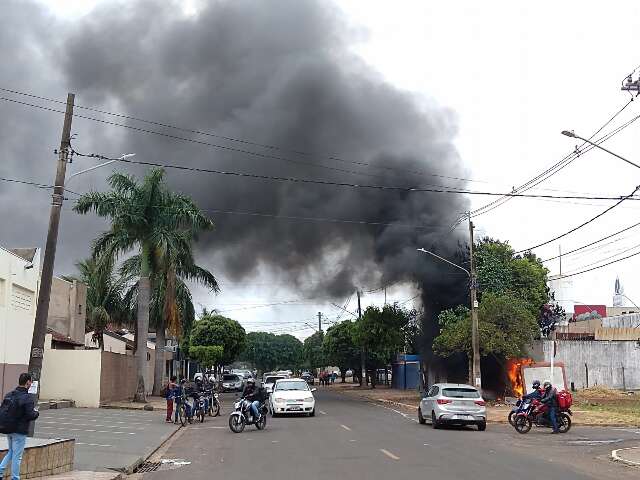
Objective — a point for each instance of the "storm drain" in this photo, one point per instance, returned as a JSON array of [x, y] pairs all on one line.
[[148, 467]]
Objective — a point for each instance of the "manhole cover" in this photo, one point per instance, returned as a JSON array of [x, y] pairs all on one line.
[[148, 467]]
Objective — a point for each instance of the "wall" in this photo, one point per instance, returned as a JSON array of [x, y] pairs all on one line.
[[67, 308], [617, 333], [604, 359], [117, 378], [110, 344], [622, 321], [72, 374], [18, 291]]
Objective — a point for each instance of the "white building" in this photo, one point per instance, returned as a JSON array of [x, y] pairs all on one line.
[[19, 282]]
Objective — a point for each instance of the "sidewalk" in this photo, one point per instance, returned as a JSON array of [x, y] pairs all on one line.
[[630, 456], [153, 403], [85, 476]]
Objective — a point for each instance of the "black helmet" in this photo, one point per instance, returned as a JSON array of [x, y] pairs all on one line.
[[251, 381], [536, 384], [547, 384]]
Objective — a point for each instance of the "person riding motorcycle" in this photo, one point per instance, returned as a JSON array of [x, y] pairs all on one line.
[[200, 390], [252, 394], [550, 398], [536, 394]]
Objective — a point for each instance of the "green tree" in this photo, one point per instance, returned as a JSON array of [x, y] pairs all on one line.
[[289, 352], [207, 356], [505, 328], [105, 296], [216, 330], [340, 349], [146, 217], [260, 350], [381, 332], [312, 353]]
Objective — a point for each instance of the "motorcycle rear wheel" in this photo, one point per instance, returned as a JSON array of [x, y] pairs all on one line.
[[564, 423], [522, 424], [214, 410], [511, 417], [236, 423]]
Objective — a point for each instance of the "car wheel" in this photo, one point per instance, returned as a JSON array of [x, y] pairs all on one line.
[[421, 419], [312, 413], [434, 421], [482, 426]]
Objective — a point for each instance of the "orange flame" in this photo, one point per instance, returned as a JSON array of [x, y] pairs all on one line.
[[514, 372]]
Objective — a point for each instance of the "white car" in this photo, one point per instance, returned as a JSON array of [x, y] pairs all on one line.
[[270, 380], [292, 395]]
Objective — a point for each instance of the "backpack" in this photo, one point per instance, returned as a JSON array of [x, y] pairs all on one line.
[[565, 400], [10, 412]]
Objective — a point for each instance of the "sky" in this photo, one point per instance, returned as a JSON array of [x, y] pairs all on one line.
[[509, 77]]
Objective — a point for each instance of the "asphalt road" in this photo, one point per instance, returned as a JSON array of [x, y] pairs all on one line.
[[351, 439], [105, 439]]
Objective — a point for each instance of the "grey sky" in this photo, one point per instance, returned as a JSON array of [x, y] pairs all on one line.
[[511, 77]]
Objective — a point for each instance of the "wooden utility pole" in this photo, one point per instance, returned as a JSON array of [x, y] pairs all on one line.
[[475, 343], [320, 322], [42, 310], [363, 362]]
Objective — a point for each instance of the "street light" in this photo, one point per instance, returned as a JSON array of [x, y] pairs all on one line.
[[100, 165], [476, 376], [572, 134]]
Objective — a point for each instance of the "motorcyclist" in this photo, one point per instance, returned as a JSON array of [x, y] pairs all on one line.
[[201, 390], [550, 398], [536, 394], [251, 394]]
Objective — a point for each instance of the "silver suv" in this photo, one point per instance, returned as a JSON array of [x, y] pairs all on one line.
[[453, 403]]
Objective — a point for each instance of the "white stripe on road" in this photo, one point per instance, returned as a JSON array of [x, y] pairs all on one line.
[[346, 428], [322, 413], [93, 444], [389, 454]]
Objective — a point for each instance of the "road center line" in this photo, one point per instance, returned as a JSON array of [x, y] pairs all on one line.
[[345, 427], [322, 413], [389, 454]]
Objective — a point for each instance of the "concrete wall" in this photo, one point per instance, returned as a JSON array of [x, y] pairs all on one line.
[[622, 321], [110, 344], [72, 374], [67, 308], [18, 297], [617, 333], [117, 378], [604, 359]]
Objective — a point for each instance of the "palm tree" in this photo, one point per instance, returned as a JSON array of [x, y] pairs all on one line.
[[146, 217], [105, 296], [171, 303]]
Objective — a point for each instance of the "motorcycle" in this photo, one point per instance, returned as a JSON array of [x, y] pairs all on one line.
[[520, 406], [242, 416], [199, 408], [537, 415], [214, 403]]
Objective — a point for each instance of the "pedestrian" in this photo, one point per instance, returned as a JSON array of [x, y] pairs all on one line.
[[170, 396], [17, 410], [550, 398]]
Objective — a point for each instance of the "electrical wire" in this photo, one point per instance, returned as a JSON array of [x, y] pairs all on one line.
[[581, 225], [592, 243], [34, 184], [601, 266]]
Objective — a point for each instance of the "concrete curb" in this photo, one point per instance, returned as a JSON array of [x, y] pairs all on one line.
[[615, 456], [55, 404], [495, 422], [128, 470], [146, 407]]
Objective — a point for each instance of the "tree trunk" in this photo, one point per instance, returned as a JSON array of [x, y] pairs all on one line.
[[142, 322], [158, 374]]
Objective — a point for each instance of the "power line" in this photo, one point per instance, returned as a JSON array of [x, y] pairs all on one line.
[[344, 184], [33, 184], [582, 224], [592, 243], [600, 266], [618, 252]]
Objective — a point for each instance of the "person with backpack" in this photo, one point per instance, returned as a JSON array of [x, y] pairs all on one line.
[[17, 410]]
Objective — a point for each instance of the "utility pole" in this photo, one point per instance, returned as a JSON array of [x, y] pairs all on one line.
[[320, 322], [630, 85], [42, 309], [560, 257], [363, 362], [477, 378]]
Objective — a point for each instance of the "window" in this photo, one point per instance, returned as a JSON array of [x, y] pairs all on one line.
[[460, 393], [79, 309], [21, 298], [291, 385]]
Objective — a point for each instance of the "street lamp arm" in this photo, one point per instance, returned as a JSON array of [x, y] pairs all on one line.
[[573, 135], [445, 260]]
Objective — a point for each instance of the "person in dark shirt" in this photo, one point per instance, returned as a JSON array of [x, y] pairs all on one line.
[[18, 409], [550, 398]]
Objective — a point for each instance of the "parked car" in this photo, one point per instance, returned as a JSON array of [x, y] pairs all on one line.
[[292, 395], [307, 377], [231, 383], [348, 373], [269, 381], [453, 403]]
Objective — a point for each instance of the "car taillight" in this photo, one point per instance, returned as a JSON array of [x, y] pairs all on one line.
[[442, 401], [480, 402]]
